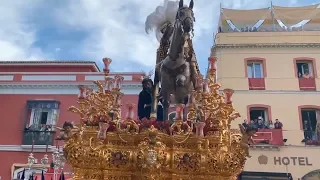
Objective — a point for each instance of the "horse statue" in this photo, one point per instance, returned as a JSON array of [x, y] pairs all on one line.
[[176, 67]]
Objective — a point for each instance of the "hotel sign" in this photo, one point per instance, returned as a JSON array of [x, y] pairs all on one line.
[[293, 161]]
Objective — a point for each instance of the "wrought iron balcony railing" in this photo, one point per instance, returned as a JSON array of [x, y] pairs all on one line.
[[38, 137]]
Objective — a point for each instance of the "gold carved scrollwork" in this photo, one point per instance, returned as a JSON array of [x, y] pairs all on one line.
[[204, 147]]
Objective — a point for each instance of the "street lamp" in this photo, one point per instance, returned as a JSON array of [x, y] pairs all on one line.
[[58, 161]]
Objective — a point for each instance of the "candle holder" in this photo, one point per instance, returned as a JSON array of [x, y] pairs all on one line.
[[228, 95], [106, 62], [109, 84], [130, 114], [199, 82], [56, 159], [102, 133], [118, 82], [45, 160], [31, 160], [206, 88], [82, 93], [62, 160], [179, 111], [212, 63]]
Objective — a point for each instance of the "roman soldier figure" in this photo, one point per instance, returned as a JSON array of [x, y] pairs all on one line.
[[145, 98], [162, 21]]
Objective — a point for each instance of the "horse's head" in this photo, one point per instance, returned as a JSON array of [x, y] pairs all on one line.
[[185, 16]]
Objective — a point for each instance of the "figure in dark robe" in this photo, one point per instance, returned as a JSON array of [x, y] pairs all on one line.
[[145, 99]]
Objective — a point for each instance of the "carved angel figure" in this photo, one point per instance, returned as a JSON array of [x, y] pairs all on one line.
[[67, 130], [247, 134]]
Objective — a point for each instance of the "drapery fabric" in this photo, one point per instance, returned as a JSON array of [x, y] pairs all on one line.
[[245, 18], [287, 15], [293, 15]]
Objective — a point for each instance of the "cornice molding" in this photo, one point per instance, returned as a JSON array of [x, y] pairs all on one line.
[[59, 85], [271, 45], [27, 148]]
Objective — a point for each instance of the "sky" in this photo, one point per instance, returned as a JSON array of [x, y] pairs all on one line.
[[93, 29]]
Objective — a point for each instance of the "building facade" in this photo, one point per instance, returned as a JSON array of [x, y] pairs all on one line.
[[36, 95], [274, 70]]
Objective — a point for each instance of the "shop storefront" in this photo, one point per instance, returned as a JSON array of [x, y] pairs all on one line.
[[299, 162], [246, 175]]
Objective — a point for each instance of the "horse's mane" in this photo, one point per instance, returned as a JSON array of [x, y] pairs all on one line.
[[161, 16]]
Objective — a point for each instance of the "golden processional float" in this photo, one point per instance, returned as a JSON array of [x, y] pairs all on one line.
[[111, 148]]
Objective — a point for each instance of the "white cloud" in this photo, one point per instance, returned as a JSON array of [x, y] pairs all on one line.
[[16, 33], [117, 27]]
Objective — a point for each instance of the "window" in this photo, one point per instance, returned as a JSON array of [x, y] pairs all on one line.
[[255, 70], [309, 118], [304, 69], [44, 118], [42, 113], [255, 113]]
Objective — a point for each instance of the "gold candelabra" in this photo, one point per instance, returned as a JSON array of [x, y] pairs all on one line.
[[107, 146]]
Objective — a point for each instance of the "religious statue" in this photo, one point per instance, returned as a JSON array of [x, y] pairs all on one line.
[[145, 98], [176, 61], [247, 140], [67, 130]]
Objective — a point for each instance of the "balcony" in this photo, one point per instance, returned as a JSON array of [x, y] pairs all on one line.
[[256, 84], [307, 84], [269, 137], [311, 138], [38, 137]]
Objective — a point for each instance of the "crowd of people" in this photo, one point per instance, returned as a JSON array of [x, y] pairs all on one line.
[[267, 28], [260, 123]]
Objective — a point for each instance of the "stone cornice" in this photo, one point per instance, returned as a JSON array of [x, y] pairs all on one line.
[[271, 45], [59, 85]]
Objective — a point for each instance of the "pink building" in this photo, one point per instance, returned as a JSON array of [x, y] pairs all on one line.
[[37, 93]]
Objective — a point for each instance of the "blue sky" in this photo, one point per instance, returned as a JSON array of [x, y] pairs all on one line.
[[94, 29]]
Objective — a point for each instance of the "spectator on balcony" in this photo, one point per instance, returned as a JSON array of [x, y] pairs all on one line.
[[306, 75], [253, 123], [43, 127], [270, 125], [278, 124], [245, 123], [254, 29], [307, 130], [260, 124]]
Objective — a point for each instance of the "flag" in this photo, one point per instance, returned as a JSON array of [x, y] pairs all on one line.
[[22, 175], [62, 176], [42, 176]]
